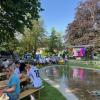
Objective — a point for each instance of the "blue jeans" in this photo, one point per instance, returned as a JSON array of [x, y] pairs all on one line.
[[13, 96]]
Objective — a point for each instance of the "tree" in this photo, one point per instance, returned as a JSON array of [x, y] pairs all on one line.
[[85, 29], [38, 34], [9, 45], [32, 39], [59, 41], [54, 41], [15, 14]]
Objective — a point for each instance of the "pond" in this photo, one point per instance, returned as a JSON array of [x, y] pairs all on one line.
[[83, 83]]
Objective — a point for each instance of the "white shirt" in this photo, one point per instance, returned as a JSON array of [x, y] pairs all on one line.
[[33, 74], [5, 63]]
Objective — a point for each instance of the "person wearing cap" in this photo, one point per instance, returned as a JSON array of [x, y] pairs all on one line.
[[17, 70]]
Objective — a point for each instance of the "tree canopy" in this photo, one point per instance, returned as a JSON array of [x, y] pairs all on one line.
[[55, 42], [32, 39], [85, 29], [15, 14]]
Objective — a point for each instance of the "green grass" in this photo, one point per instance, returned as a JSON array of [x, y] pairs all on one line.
[[50, 93], [81, 64]]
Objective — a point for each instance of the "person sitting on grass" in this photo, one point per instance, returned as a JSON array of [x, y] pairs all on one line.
[[13, 86]]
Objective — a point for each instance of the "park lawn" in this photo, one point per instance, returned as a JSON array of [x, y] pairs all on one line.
[[80, 64], [50, 93]]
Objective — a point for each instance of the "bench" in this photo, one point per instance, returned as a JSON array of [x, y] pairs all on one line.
[[2, 74], [3, 84], [29, 92]]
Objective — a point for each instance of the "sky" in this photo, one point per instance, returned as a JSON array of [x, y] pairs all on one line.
[[58, 13]]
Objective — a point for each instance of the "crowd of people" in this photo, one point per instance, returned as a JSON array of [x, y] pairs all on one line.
[[14, 69], [14, 76], [45, 60]]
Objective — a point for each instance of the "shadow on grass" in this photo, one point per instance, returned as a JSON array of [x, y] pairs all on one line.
[[50, 93]]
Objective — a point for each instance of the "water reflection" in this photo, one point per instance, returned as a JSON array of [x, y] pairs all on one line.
[[82, 82], [78, 73]]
